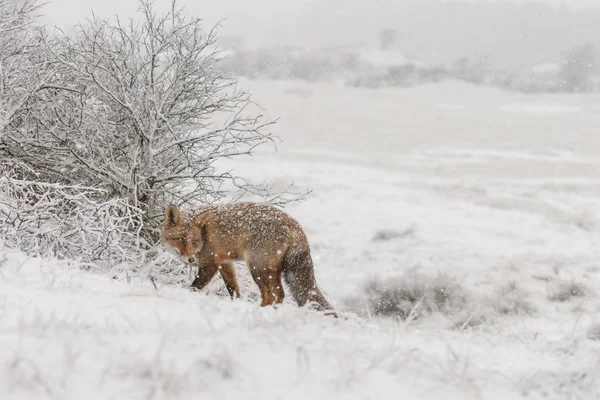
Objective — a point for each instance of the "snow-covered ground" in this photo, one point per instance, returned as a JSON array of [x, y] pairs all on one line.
[[495, 192]]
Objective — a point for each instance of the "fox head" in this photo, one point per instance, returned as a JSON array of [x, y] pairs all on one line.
[[183, 238]]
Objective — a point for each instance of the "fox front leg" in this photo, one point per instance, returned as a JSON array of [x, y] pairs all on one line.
[[205, 274]]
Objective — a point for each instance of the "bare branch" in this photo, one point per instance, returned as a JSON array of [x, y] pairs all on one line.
[[142, 111]]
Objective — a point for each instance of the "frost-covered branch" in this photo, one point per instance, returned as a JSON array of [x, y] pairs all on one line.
[[142, 111], [24, 67], [67, 222]]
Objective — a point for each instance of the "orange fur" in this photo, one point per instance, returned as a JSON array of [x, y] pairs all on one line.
[[272, 244]]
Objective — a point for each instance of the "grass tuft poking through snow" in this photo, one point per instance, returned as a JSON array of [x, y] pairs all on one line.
[[594, 331], [413, 296], [384, 235], [512, 300], [565, 291], [416, 296]]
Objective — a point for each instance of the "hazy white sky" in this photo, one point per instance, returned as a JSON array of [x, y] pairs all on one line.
[[65, 13], [428, 31]]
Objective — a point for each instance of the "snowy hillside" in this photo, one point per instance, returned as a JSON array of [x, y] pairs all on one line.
[[485, 204]]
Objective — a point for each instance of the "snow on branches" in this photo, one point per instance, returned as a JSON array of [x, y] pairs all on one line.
[[66, 222], [142, 111]]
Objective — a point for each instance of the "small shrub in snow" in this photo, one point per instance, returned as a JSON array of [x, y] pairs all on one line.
[[511, 300], [566, 291], [415, 295]]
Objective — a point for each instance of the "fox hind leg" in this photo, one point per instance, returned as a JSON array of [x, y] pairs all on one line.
[[269, 282], [276, 286], [228, 274]]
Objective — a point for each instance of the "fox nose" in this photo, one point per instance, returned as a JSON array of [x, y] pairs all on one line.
[[191, 260]]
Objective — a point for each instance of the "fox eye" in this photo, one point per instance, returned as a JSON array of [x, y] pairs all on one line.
[[181, 240]]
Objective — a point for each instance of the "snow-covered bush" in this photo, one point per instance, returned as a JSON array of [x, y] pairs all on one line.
[[67, 222], [38, 214], [142, 112]]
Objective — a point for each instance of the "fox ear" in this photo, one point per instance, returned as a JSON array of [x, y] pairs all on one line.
[[198, 220], [173, 216]]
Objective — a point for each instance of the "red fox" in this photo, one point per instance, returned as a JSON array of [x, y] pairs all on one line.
[[270, 242]]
